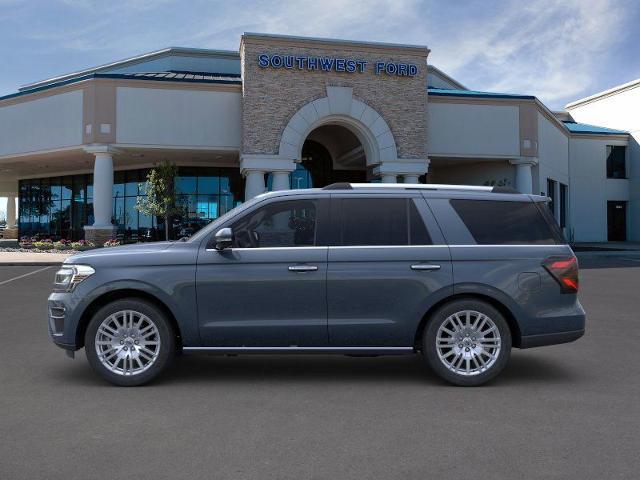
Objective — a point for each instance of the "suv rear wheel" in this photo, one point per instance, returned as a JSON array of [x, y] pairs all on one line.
[[129, 342], [467, 342]]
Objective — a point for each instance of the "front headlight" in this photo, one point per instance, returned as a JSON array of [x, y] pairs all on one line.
[[71, 275]]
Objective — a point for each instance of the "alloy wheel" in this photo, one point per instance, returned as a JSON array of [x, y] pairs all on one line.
[[468, 343], [127, 342]]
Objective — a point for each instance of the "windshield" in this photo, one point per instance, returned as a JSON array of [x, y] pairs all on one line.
[[213, 226]]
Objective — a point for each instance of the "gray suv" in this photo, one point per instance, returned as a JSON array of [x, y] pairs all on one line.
[[458, 274]]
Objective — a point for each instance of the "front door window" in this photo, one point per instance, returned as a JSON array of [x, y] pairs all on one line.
[[281, 224]]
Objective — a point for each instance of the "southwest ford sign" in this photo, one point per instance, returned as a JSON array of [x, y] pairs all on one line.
[[334, 64]]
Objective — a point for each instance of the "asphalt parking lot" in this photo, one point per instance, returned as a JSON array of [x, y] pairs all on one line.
[[567, 411]]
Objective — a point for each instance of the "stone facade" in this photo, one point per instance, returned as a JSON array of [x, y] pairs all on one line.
[[272, 96], [9, 233], [99, 235]]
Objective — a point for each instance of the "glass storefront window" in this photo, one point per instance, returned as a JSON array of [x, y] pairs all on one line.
[[60, 207], [210, 185], [118, 184], [186, 184]]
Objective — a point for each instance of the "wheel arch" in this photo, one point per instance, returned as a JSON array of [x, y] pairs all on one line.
[[514, 328], [121, 294]]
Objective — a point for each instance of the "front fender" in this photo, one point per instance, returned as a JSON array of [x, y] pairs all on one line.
[[180, 300]]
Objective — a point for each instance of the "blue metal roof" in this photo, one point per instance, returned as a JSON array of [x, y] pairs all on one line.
[[188, 77], [575, 127], [445, 92]]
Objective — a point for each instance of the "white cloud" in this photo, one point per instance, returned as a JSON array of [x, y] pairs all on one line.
[[547, 48]]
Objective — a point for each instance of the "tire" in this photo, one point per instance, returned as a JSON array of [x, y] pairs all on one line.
[[479, 348], [134, 345]]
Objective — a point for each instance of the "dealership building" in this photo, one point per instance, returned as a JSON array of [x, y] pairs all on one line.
[[290, 112]]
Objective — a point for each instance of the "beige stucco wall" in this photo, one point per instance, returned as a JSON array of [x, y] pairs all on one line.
[[272, 96], [590, 189], [178, 117], [620, 110], [50, 122], [473, 129]]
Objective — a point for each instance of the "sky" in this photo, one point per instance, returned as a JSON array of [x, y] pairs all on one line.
[[557, 50]]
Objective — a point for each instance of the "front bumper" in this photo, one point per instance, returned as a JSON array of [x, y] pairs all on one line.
[[61, 320]]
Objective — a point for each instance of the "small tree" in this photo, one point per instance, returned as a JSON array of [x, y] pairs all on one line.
[[161, 200]]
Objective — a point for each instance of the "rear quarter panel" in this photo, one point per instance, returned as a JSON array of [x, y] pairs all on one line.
[[510, 274]]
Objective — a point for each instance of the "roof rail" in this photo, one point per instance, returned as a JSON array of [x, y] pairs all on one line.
[[420, 186], [338, 186]]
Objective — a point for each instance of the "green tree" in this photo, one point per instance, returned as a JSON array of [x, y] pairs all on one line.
[[161, 199]]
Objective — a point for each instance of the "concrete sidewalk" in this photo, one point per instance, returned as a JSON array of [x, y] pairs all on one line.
[[32, 258]]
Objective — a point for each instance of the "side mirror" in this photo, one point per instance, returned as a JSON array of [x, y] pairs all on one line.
[[223, 238]]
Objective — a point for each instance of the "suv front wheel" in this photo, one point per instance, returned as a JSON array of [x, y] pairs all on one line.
[[129, 342], [467, 342]]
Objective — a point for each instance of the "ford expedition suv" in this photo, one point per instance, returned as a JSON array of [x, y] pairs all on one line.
[[458, 274]]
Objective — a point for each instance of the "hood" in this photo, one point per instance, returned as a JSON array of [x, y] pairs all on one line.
[[129, 253]]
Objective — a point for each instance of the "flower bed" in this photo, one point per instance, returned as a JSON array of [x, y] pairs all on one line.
[[46, 245], [112, 243]]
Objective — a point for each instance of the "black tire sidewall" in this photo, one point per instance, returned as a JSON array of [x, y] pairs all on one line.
[[429, 342], [167, 341]]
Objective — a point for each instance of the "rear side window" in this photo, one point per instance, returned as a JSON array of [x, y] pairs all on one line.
[[504, 223], [382, 221]]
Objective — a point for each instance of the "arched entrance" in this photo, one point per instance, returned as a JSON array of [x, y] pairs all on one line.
[[330, 154], [339, 131]]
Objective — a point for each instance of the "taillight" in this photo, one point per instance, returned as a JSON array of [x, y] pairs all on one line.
[[565, 271]]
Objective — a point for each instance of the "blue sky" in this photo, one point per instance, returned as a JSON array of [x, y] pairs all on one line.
[[557, 50]]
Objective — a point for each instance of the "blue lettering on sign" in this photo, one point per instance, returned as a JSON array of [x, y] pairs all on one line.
[[276, 61], [263, 60], [328, 64], [288, 61]]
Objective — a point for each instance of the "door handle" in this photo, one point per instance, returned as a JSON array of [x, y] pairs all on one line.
[[303, 268], [425, 267]]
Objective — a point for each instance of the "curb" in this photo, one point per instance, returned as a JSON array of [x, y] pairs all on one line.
[[29, 264]]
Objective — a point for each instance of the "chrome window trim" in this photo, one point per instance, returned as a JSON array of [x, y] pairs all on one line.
[[265, 248], [529, 245], [346, 247]]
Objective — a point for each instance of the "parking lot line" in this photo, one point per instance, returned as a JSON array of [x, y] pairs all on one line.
[[24, 275]]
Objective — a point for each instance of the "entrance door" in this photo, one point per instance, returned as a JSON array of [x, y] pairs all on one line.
[[617, 221]]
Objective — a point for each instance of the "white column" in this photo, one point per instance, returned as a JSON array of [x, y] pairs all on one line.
[[254, 184], [524, 175], [280, 181], [11, 212], [389, 178], [411, 179], [103, 189]]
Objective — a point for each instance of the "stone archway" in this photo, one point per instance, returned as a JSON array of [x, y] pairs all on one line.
[[339, 107]]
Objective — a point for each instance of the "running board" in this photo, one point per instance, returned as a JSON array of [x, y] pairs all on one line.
[[296, 349]]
